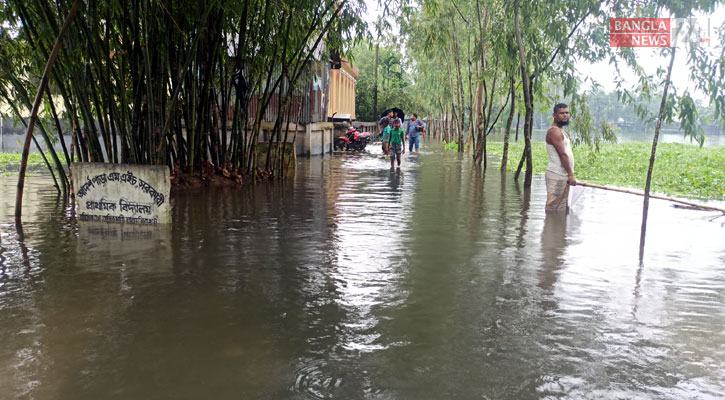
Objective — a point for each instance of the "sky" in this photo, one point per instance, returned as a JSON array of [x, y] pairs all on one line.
[[650, 58]]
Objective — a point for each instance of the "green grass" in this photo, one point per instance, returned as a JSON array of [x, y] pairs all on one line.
[[453, 146], [10, 163], [680, 169]]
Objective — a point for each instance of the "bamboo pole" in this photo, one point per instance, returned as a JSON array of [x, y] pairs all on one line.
[[36, 107], [648, 182], [591, 185]]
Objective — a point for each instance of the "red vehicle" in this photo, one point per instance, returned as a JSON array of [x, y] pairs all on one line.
[[353, 140]]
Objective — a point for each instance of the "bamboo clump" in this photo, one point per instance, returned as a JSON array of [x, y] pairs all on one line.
[[187, 84]]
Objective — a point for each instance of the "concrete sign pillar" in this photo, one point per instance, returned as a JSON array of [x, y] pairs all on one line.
[[122, 193]]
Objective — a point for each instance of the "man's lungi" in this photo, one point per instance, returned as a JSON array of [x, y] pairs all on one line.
[[557, 191]]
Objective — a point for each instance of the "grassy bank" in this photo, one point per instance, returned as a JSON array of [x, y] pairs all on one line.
[[10, 163], [680, 170]]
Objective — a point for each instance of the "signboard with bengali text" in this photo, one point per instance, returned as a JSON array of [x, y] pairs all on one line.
[[124, 193]]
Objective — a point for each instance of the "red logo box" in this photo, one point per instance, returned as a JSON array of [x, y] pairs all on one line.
[[639, 32]]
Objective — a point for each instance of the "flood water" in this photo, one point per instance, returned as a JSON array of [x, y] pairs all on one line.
[[351, 281]]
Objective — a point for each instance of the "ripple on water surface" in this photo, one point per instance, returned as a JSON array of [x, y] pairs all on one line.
[[352, 280]]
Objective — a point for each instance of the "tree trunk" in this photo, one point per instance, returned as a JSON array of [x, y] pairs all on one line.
[[460, 117], [509, 121], [471, 136], [440, 126], [479, 119], [528, 128], [528, 101], [480, 97], [488, 124], [521, 164], [478, 152]]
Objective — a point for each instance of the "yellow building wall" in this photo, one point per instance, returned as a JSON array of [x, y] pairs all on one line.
[[342, 91]]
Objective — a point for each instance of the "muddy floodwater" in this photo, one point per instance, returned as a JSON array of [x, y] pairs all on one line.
[[352, 281]]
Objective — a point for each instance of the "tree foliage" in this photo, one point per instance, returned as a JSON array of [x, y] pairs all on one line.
[[153, 82], [465, 54], [395, 88]]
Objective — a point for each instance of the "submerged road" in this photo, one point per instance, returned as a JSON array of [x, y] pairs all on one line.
[[352, 281]]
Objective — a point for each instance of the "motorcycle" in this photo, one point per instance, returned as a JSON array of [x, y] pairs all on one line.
[[353, 140]]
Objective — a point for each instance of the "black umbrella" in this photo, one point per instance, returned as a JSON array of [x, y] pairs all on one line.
[[400, 112]]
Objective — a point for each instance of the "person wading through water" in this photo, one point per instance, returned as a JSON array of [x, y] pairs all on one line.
[[385, 122], [395, 138], [560, 171], [385, 125], [415, 128]]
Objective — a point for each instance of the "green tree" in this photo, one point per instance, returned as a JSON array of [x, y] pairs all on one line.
[[152, 82], [395, 89]]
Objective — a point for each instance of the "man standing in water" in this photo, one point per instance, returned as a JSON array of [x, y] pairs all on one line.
[[560, 171], [413, 132], [395, 138]]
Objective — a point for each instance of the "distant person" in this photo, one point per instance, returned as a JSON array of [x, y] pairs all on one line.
[[386, 132], [395, 138], [560, 171], [396, 116], [415, 128], [384, 122]]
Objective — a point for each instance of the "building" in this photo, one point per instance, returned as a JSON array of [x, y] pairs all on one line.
[[341, 105], [322, 111]]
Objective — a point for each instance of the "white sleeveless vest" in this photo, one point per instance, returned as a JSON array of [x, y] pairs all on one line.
[[554, 160]]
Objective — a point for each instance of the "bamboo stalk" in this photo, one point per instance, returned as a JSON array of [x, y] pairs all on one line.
[[174, 96], [648, 182], [591, 185], [36, 107], [58, 126]]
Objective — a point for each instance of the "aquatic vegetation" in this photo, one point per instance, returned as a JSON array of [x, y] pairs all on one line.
[[451, 146], [10, 163], [681, 169]]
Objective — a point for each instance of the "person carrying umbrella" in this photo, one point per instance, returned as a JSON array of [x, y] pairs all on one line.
[[386, 119], [393, 113]]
